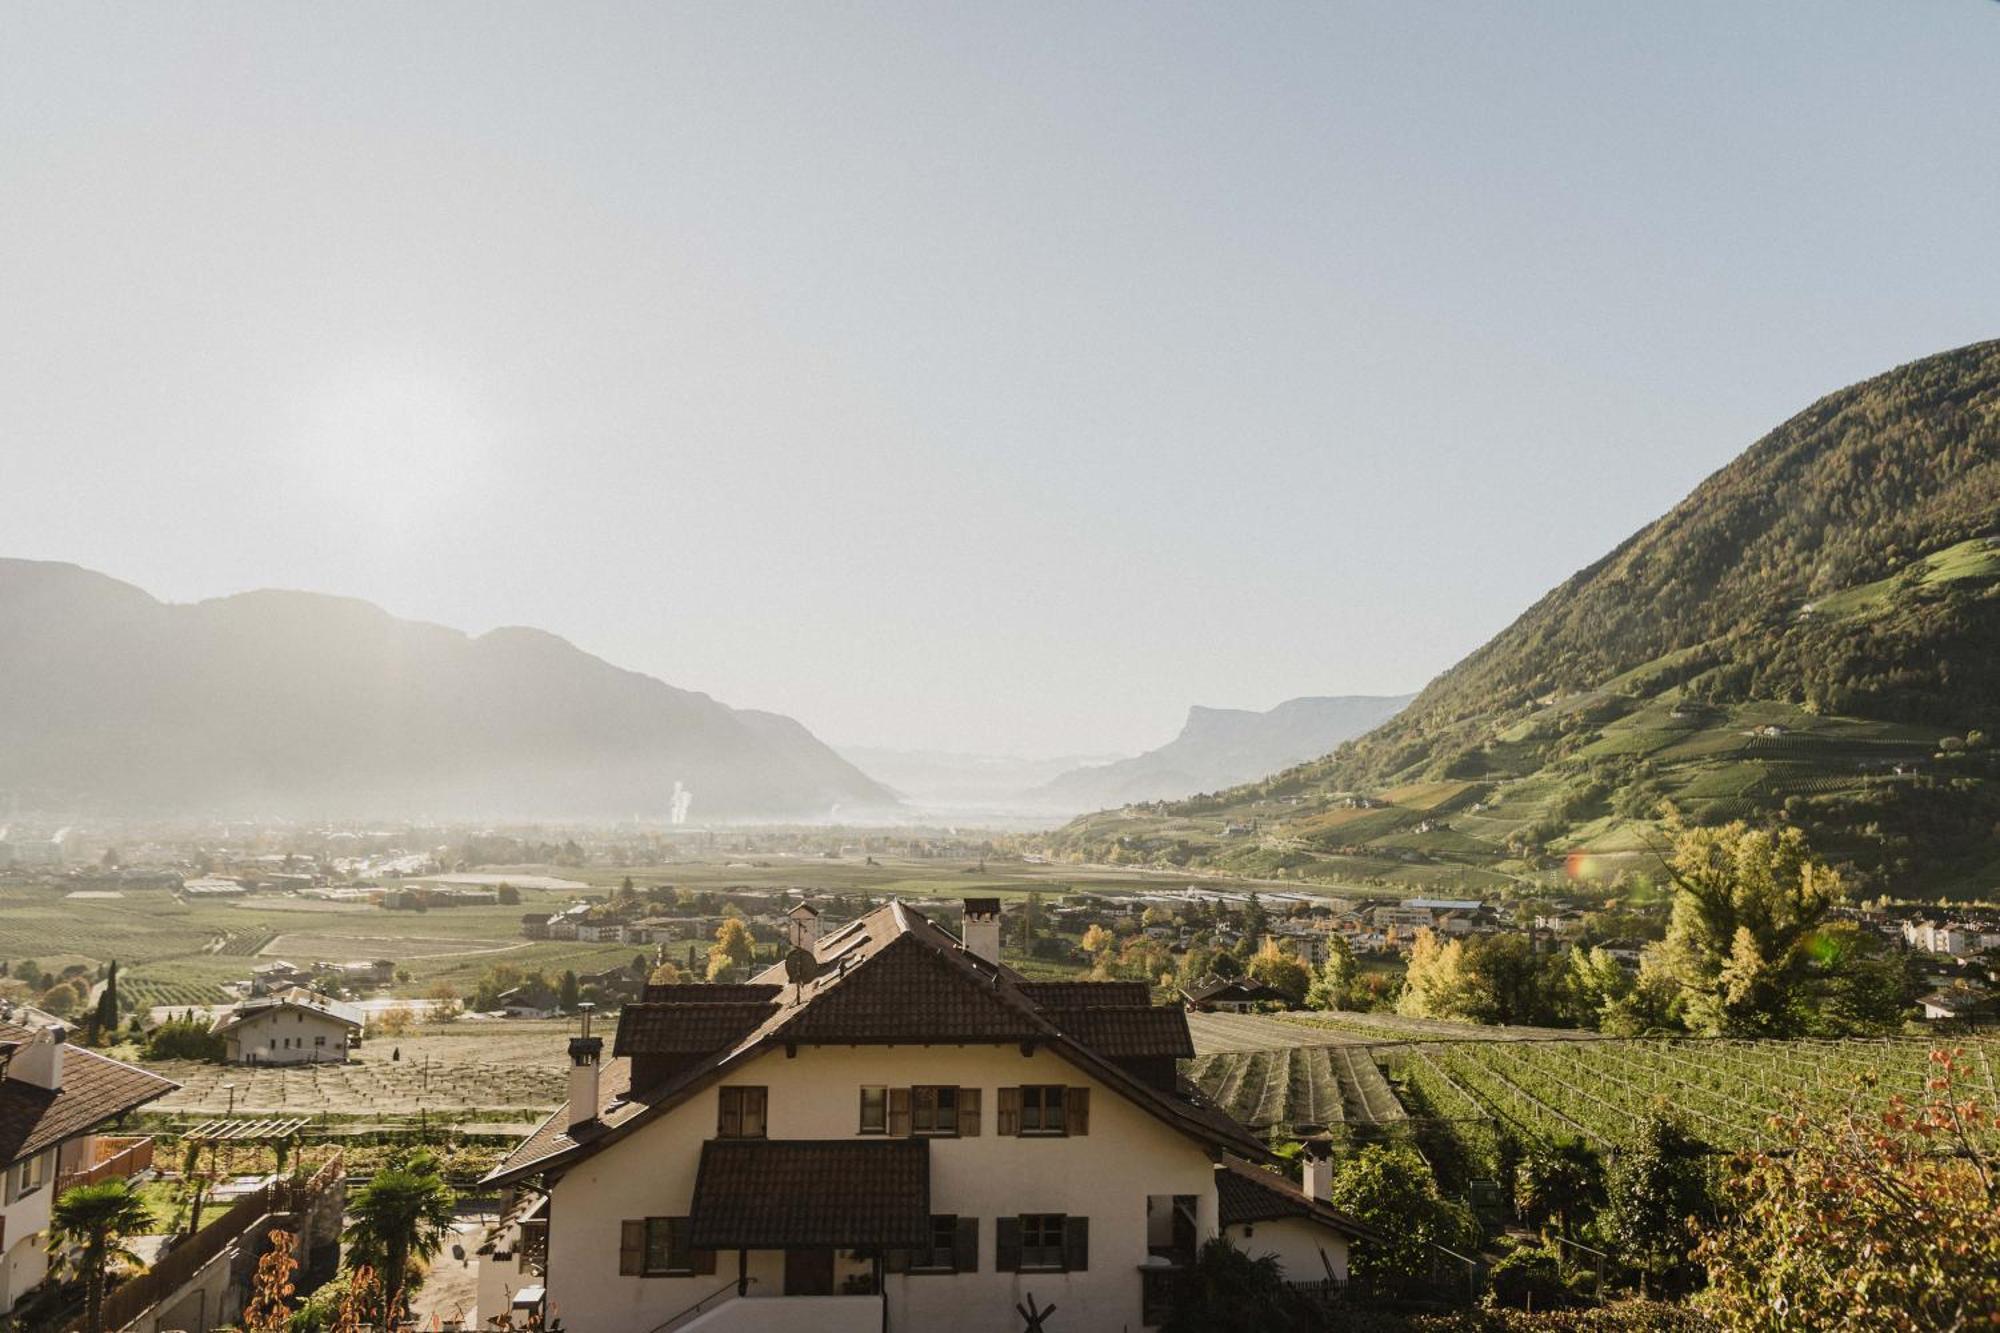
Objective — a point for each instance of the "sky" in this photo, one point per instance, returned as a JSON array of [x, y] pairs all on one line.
[[990, 378]]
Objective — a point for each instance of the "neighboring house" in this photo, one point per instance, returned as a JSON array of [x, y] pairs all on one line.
[[275, 977], [1264, 1213], [1960, 1002], [534, 925], [298, 1027], [898, 1132], [53, 1099], [1239, 995]]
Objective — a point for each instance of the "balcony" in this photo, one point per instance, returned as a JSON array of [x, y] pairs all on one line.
[[111, 1158]]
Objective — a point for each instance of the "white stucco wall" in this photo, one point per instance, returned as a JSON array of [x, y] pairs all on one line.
[[262, 1039], [25, 1261], [1105, 1175], [1298, 1245]]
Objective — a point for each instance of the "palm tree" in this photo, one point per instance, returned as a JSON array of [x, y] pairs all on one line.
[[404, 1214], [90, 1224]]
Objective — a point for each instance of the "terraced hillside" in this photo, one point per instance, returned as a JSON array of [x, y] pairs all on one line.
[[1813, 633]]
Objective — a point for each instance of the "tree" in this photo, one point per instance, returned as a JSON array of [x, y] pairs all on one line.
[[90, 1224], [1227, 1291], [1282, 972], [446, 1003], [1333, 982], [1393, 1191], [1437, 983], [1097, 941], [1561, 1183], [59, 1000], [508, 895], [1658, 1191], [269, 1310], [733, 948], [566, 996], [666, 974], [104, 1022], [1593, 986], [1747, 905], [404, 1214], [1256, 921], [1864, 1219]]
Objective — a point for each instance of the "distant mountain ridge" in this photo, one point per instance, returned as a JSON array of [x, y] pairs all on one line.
[[1813, 634], [289, 704], [1219, 747]]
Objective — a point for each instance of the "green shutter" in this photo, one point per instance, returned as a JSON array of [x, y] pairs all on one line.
[[632, 1248], [1076, 1244], [965, 1246], [1007, 1244]]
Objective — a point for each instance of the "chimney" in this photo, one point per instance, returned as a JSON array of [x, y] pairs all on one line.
[[584, 1051], [38, 1062], [802, 924], [1318, 1171], [981, 933]]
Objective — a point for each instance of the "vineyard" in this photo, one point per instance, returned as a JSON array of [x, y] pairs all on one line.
[[1543, 1089]]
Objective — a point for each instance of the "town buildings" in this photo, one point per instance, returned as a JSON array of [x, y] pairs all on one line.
[[890, 1129]]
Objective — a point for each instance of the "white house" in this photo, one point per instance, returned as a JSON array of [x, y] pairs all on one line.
[[888, 1131], [294, 1027], [1264, 1213], [53, 1099]]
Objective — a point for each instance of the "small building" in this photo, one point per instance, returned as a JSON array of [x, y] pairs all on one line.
[[1961, 1003], [535, 925], [1237, 995], [1262, 1213], [297, 1027]]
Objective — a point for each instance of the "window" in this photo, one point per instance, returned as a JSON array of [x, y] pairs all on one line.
[[1041, 1240], [1042, 1110], [942, 1257], [319, 1041], [934, 1110], [740, 1113], [658, 1247], [874, 1110]]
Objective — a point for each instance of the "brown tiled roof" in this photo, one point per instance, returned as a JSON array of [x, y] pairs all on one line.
[[686, 1029], [1123, 1034], [1246, 1193], [890, 976], [758, 1194], [1242, 988], [908, 992], [1087, 994], [94, 1090], [695, 992]]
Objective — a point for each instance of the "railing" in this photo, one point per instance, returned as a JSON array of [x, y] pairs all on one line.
[[122, 1164], [696, 1308], [128, 1300]]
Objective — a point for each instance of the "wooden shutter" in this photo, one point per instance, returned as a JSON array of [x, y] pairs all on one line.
[[1076, 1111], [1008, 1121], [968, 1113], [632, 1247], [1007, 1242], [899, 1113], [1076, 1244], [965, 1246]]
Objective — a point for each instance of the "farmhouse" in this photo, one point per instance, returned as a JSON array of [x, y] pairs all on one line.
[[294, 1027], [890, 1129], [53, 1099], [1235, 996]]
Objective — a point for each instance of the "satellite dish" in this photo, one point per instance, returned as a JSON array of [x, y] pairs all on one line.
[[801, 966]]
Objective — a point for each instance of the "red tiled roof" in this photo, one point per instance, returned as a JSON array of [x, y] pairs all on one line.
[[95, 1089], [771, 1194]]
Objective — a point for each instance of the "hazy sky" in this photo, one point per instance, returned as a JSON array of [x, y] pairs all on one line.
[[1001, 376]]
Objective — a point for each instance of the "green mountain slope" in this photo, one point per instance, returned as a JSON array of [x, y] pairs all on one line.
[[1797, 638]]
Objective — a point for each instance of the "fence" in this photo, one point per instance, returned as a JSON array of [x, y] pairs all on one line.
[[126, 1162], [129, 1300]]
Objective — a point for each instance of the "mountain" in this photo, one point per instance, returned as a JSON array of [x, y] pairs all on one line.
[[971, 787], [1218, 747], [1813, 634], [295, 704]]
